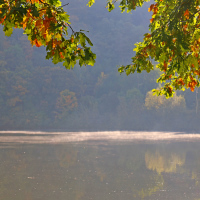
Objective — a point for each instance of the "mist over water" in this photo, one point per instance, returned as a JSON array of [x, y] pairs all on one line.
[[99, 165], [62, 137]]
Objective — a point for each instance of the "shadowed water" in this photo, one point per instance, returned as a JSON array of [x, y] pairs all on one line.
[[103, 165]]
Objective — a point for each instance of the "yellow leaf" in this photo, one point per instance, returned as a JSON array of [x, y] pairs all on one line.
[[58, 36], [48, 37], [24, 22]]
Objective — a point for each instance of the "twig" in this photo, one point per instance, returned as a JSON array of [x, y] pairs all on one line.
[[64, 5], [70, 28], [43, 2]]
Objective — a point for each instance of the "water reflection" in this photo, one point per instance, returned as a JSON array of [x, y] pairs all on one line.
[[100, 170], [163, 161]]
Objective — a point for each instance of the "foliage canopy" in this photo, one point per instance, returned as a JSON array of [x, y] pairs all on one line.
[[46, 23], [171, 46], [173, 42]]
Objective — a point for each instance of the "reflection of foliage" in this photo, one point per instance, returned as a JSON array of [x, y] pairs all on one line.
[[67, 156], [101, 174], [147, 184], [163, 162], [147, 192], [82, 171], [131, 160]]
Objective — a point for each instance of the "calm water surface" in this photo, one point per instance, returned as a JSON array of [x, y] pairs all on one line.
[[98, 169]]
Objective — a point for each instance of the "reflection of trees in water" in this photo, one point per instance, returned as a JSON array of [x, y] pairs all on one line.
[[38, 174], [149, 190], [67, 156], [13, 168], [179, 165], [192, 163], [74, 172], [163, 162], [81, 172]]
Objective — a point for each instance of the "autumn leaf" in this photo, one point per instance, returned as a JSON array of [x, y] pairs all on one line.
[[151, 20], [186, 14], [37, 43], [155, 10], [174, 40], [61, 55], [165, 66], [151, 7], [147, 35]]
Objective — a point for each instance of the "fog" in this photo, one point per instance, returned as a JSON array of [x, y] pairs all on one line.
[[107, 136]]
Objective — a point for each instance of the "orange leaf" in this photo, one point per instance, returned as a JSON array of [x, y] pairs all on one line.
[[185, 26], [24, 25], [174, 40], [61, 55], [192, 89], [165, 66], [148, 35], [196, 72], [181, 82], [155, 10], [151, 7], [151, 20], [186, 14], [37, 43], [38, 22]]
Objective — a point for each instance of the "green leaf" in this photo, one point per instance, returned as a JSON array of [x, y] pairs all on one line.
[[8, 32]]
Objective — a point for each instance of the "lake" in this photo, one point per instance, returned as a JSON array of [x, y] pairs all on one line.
[[99, 165]]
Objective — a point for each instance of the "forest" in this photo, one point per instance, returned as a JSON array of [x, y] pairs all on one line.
[[38, 95]]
